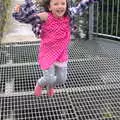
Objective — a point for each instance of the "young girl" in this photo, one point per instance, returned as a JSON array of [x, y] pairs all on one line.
[[54, 24]]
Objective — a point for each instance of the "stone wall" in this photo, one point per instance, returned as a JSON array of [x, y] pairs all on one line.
[[4, 8]]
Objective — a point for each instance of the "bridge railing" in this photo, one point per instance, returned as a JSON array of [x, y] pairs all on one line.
[[104, 19]]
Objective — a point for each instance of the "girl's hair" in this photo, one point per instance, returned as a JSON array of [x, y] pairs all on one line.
[[46, 4]]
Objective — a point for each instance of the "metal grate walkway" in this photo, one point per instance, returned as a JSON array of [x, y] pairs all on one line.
[[92, 90]]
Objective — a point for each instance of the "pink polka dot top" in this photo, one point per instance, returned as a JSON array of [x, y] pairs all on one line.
[[55, 38]]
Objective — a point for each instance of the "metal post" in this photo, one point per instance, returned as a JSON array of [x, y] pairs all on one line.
[[91, 21]]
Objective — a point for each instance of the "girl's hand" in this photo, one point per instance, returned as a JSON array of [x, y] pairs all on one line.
[[43, 16], [17, 8]]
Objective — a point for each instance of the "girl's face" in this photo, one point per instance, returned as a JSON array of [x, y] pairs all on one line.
[[58, 7]]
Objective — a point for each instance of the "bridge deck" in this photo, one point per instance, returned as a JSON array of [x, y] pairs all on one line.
[[92, 90]]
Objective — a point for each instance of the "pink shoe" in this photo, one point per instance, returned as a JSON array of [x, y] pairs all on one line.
[[51, 92], [38, 90]]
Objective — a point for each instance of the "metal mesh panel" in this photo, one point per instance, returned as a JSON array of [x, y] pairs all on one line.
[[97, 104], [19, 53], [92, 90], [32, 108], [80, 73], [88, 105], [25, 53]]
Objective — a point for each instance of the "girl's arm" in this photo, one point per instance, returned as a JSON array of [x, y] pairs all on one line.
[[27, 13], [81, 7]]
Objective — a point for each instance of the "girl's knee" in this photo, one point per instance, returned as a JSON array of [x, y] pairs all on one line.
[[61, 75], [42, 81], [61, 80], [49, 76]]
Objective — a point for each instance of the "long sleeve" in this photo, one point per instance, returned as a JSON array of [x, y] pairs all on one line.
[[26, 15], [81, 7]]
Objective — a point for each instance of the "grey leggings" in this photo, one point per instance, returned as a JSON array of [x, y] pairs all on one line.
[[53, 76]]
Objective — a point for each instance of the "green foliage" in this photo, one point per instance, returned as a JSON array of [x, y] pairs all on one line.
[[108, 115]]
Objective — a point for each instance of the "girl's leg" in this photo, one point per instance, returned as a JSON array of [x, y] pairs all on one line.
[[48, 78], [38, 88], [61, 74]]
